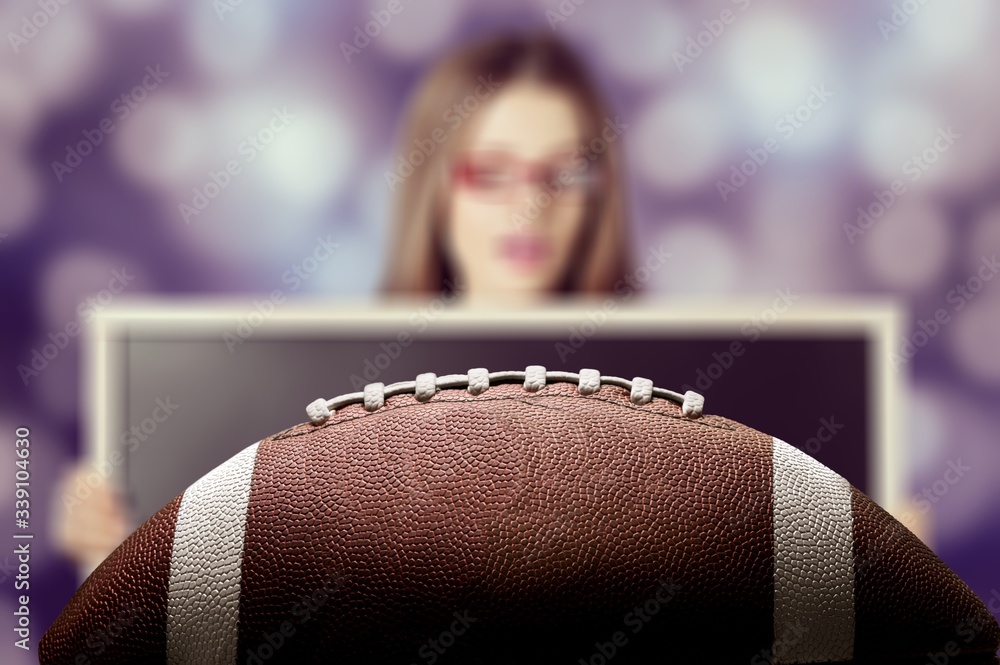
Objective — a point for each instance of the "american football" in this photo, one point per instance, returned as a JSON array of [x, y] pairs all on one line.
[[523, 516]]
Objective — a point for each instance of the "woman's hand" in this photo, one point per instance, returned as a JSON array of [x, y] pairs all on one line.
[[88, 529]]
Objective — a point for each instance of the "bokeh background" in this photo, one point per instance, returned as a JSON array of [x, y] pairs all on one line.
[[904, 91]]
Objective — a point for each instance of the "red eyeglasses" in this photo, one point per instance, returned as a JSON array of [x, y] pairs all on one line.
[[496, 176]]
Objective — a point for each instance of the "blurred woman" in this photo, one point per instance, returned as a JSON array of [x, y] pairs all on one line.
[[508, 184]]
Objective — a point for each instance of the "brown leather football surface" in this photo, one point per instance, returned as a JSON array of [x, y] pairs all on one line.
[[517, 526]]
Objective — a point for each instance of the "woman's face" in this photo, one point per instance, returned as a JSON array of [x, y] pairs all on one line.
[[518, 193]]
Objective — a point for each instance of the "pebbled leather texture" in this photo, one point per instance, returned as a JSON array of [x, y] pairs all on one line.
[[531, 511], [119, 613], [901, 585], [517, 526]]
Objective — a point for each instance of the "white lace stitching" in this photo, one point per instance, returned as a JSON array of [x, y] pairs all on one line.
[[478, 381]]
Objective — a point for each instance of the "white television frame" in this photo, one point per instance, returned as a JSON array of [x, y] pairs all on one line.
[[878, 320]]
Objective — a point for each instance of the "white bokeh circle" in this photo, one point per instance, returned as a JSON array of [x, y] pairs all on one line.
[[65, 57], [73, 285], [20, 112], [797, 237], [637, 38], [947, 34], [909, 247], [227, 39], [21, 191], [984, 238], [312, 161], [974, 342], [704, 258], [895, 130], [773, 58], [163, 143], [678, 140], [134, 9], [415, 32]]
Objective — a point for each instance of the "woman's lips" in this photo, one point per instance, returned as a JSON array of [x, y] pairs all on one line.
[[525, 252]]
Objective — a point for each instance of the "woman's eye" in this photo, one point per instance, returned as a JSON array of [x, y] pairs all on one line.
[[489, 177]]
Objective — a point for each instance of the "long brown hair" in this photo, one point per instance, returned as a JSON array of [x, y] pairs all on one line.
[[417, 263]]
